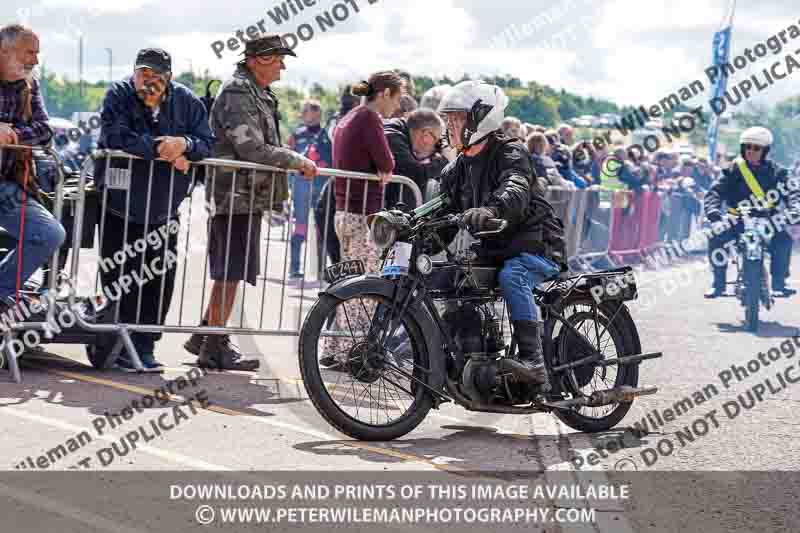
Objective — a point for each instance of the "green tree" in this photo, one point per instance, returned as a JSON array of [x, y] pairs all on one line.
[[532, 102], [568, 108]]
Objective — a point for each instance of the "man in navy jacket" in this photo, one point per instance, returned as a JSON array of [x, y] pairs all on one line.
[[149, 116]]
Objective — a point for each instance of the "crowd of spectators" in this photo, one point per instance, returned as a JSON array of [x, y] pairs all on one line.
[[562, 161], [418, 150]]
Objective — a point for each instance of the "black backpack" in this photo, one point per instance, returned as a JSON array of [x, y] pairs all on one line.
[[208, 100]]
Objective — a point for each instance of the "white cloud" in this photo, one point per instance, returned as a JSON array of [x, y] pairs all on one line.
[[627, 50], [621, 18], [96, 7]]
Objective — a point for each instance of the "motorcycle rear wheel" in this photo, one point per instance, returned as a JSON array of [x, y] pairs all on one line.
[[612, 331]]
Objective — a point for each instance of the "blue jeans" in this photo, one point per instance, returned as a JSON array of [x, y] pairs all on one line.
[[518, 277], [42, 236], [305, 196]]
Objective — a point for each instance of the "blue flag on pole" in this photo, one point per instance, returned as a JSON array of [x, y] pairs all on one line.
[[721, 50]]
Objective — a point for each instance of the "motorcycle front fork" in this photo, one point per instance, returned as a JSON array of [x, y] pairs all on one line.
[[765, 293]]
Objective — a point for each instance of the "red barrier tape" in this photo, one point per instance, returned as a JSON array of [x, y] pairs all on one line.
[[635, 228]]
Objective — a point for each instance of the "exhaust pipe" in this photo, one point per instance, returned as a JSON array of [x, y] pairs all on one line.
[[622, 394]]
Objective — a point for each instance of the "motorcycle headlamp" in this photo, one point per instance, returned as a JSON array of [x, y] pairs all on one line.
[[386, 226]]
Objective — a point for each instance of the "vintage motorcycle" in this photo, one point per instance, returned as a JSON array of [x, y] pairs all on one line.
[[752, 285], [378, 351]]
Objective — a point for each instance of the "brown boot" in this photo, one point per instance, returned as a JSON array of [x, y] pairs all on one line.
[[218, 352]]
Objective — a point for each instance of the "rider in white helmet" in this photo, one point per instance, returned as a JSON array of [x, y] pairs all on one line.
[[734, 189], [492, 178]]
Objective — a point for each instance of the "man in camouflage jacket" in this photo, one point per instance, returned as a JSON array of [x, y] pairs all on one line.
[[244, 118]]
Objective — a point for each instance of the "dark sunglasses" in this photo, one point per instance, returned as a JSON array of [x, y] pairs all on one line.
[[753, 148]]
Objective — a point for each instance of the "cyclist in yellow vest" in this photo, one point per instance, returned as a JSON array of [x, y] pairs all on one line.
[[753, 180]]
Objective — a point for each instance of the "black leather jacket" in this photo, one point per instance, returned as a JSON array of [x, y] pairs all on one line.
[[501, 177], [731, 188]]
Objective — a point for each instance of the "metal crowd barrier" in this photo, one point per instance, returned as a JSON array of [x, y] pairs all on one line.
[[621, 226], [679, 212], [595, 227], [259, 311], [570, 206], [408, 193], [49, 275], [163, 273]]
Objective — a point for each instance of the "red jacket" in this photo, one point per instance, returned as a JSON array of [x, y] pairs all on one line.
[[360, 145]]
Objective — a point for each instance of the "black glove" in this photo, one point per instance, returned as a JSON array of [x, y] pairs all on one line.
[[477, 217], [714, 216]]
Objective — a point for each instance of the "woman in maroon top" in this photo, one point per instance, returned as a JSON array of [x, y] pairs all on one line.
[[360, 145]]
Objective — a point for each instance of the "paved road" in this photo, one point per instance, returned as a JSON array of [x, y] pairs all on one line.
[[265, 421]]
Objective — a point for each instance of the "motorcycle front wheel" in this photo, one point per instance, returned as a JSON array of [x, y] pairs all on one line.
[[752, 277], [360, 379]]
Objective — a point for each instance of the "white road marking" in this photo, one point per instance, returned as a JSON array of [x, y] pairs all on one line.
[[608, 520], [169, 456]]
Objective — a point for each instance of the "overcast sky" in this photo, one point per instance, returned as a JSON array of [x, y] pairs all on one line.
[[629, 51]]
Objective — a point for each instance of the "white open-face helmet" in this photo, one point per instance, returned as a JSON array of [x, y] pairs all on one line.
[[485, 106], [758, 136]]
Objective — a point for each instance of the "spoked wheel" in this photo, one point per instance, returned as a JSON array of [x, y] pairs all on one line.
[[611, 331], [359, 378], [3, 349]]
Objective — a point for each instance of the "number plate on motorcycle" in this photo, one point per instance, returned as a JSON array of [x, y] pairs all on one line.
[[345, 269], [397, 260]]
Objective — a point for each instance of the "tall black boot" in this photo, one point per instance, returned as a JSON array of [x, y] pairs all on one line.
[[529, 365]]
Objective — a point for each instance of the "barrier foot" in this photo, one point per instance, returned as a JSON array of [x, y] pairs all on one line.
[[131, 349], [13, 364]]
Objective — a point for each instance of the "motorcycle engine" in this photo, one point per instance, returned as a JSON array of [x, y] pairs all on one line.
[[477, 333]]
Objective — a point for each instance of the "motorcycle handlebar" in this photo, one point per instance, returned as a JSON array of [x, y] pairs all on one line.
[[498, 225]]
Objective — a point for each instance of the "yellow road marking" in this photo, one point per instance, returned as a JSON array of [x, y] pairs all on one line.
[[234, 412]]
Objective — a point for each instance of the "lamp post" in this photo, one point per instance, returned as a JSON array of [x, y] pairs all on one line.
[[80, 66], [110, 65]]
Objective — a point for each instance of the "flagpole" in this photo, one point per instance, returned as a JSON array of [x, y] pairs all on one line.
[[720, 50]]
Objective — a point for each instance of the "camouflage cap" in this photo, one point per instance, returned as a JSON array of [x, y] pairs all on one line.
[[270, 45]]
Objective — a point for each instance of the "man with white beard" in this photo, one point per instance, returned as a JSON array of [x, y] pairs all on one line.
[[23, 121]]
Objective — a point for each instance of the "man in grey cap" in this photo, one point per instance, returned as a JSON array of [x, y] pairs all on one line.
[[244, 119], [159, 120]]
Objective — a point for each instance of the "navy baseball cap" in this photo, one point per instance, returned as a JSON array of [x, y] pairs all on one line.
[[154, 58]]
